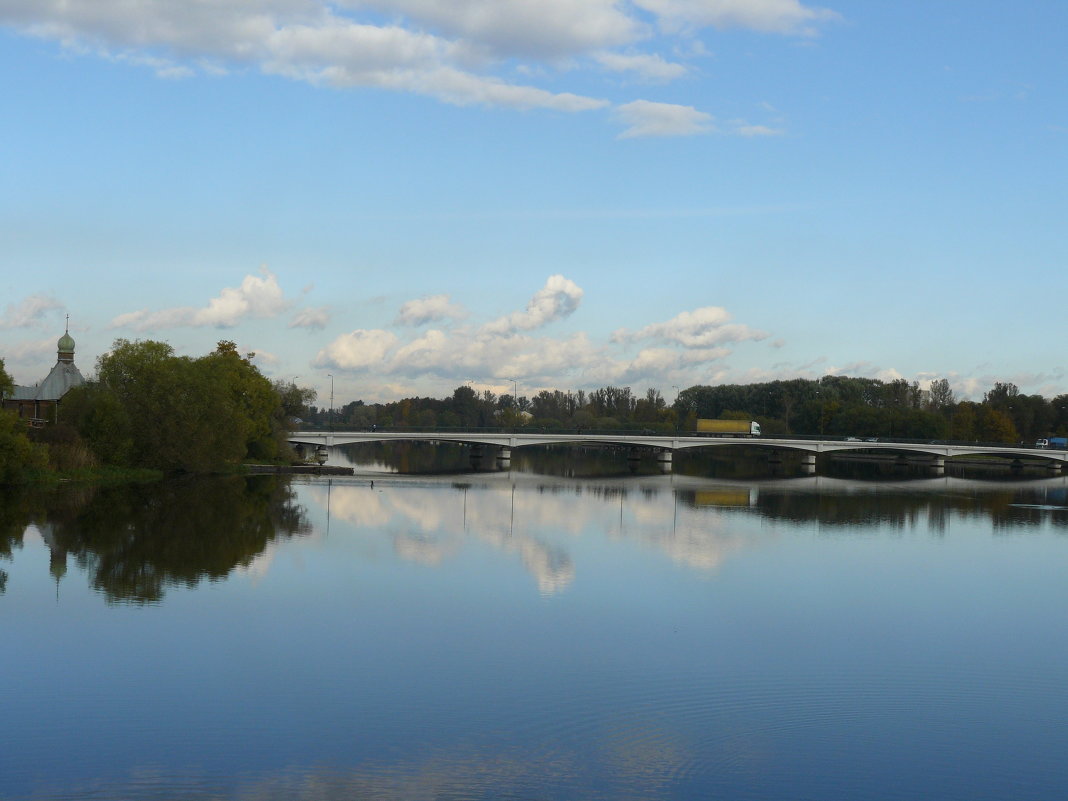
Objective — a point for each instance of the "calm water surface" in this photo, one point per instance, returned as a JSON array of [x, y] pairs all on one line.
[[514, 635]]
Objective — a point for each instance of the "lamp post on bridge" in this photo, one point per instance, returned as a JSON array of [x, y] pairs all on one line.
[[330, 412]]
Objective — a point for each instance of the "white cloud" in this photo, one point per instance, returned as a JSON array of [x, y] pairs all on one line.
[[429, 309], [683, 348], [308, 40], [557, 299], [255, 297], [461, 52], [429, 353], [33, 349], [316, 318], [29, 361], [700, 328], [648, 66], [697, 356], [768, 16], [29, 312], [359, 350], [646, 118], [263, 357], [536, 28], [744, 129]]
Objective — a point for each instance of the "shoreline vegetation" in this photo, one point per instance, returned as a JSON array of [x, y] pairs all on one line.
[[148, 413]]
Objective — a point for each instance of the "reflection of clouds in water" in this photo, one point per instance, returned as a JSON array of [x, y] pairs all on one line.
[[428, 525], [424, 550], [31, 535], [701, 548], [260, 565], [431, 532], [700, 539]]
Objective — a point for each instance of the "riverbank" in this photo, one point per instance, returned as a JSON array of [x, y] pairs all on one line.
[[299, 469]]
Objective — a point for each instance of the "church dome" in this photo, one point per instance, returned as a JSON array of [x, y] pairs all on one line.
[[66, 343]]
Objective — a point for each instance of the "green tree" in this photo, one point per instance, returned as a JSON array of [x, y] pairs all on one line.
[[19, 457], [101, 420], [1001, 395], [994, 425], [184, 414], [294, 399], [254, 405], [6, 384], [963, 423], [941, 395]]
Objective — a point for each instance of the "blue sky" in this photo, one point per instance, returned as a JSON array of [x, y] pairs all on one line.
[[415, 194]]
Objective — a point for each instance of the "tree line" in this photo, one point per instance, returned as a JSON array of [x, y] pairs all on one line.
[[834, 406], [149, 408]]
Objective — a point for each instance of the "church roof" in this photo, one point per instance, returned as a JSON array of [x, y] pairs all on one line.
[[63, 377]]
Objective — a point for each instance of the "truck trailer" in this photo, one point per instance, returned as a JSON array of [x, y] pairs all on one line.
[[728, 428], [1052, 442]]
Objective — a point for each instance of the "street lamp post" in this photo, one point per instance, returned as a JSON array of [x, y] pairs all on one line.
[[330, 413]]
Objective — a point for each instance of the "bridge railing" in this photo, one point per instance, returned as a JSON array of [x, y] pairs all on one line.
[[860, 442]]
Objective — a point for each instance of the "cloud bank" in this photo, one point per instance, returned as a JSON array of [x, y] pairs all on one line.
[[257, 296], [683, 349], [461, 52]]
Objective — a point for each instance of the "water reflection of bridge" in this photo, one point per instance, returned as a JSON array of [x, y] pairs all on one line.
[[697, 484], [934, 454]]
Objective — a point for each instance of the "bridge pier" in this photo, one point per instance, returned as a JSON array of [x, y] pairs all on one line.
[[664, 459], [1054, 467], [808, 463], [937, 464], [504, 455]]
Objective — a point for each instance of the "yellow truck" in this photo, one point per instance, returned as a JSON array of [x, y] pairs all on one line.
[[728, 428]]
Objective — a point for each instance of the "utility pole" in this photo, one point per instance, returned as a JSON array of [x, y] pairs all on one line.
[[330, 413]]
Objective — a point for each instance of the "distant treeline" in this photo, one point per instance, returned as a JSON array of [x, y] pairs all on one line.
[[831, 406]]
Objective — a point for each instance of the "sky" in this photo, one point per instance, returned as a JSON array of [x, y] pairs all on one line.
[[389, 198]]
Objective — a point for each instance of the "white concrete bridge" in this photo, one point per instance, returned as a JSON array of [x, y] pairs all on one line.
[[664, 446]]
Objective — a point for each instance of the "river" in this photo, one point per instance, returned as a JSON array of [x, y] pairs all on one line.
[[541, 632]]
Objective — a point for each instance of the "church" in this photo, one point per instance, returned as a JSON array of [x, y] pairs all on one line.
[[39, 404]]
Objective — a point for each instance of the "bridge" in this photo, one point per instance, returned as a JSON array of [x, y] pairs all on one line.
[[666, 445]]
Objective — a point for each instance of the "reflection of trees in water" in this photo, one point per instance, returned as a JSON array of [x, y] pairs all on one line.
[[425, 458], [900, 508], [135, 540]]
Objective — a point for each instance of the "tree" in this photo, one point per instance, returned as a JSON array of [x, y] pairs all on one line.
[[994, 425], [647, 409], [255, 406], [6, 384], [19, 457], [195, 415], [294, 399], [963, 424], [101, 420], [1002, 394], [941, 395]]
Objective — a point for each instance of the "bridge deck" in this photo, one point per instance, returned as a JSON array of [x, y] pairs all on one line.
[[671, 443]]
